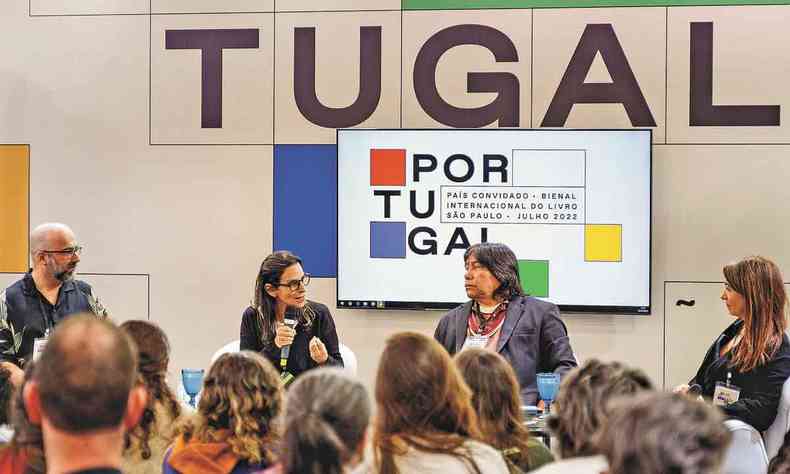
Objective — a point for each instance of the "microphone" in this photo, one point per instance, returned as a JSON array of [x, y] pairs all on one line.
[[695, 390], [285, 351]]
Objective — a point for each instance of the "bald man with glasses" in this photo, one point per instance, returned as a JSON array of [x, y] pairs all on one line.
[[48, 292]]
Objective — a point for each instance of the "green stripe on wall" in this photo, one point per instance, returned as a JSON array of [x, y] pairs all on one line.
[[485, 4]]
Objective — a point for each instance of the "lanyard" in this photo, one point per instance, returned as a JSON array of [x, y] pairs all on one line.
[[44, 317]]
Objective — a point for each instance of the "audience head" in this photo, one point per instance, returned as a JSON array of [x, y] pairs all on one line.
[[491, 272], [242, 394], [583, 403], [422, 400], [84, 380], [27, 435], [658, 433], [496, 399], [754, 292], [6, 390], [55, 251], [153, 356], [325, 421]]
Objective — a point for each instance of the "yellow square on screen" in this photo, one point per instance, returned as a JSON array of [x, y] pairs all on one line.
[[603, 242]]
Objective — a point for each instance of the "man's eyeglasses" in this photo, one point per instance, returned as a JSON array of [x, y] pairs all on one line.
[[294, 285], [70, 251]]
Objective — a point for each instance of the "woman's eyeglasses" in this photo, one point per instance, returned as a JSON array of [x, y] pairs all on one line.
[[294, 285]]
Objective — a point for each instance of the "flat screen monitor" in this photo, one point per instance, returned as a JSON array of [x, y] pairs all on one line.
[[573, 205]]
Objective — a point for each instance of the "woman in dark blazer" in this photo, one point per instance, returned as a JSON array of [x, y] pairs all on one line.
[[280, 295], [753, 353]]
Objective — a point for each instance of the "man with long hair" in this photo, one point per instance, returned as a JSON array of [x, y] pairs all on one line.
[[526, 331]]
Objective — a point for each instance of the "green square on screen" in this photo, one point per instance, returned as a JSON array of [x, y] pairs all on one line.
[[534, 276]]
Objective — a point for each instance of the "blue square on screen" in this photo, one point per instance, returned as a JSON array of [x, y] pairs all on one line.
[[305, 205], [387, 240]]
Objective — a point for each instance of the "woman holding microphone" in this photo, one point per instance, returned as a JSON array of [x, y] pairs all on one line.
[[747, 365], [293, 333]]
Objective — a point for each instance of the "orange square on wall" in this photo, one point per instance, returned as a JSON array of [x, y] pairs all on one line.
[[387, 167]]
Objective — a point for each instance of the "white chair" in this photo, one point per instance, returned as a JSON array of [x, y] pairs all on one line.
[[746, 453], [349, 358], [775, 434]]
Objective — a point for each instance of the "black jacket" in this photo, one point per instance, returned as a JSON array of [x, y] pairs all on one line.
[[761, 388], [533, 339], [25, 314], [299, 360]]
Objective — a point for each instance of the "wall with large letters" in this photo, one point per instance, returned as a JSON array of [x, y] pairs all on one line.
[[184, 140]]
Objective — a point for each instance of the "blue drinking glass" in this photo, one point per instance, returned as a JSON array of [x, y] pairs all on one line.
[[548, 383], [193, 382]]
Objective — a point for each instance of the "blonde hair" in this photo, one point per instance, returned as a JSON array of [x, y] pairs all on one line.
[[241, 400], [582, 403]]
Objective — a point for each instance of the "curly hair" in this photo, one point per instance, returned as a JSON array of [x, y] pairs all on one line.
[[582, 403], [657, 433], [496, 399], [27, 437], [326, 417], [423, 403], [153, 357], [240, 403]]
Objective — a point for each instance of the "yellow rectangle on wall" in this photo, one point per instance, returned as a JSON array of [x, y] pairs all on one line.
[[14, 207]]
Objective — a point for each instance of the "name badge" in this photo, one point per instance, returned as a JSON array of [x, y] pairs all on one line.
[[725, 394], [475, 340], [38, 346]]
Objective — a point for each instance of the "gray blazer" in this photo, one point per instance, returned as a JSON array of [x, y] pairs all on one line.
[[533, 339]]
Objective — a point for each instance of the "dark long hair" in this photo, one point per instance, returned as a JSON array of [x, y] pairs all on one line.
[[154, 355], [760, 283], [326, 417], [423, 403], [271, 271], [502, 263], [496, 399], [27, 437]]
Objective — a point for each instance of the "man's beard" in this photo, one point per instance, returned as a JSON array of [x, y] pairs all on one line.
[[65, 275]]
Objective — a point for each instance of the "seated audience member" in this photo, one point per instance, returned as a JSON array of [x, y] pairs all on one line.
[[495, 397], [526, 331], [326, 417], [280, 294], [6, 390], [83, 395], [780, 464], [234, 429], [425, 422], [582, 408], [660, 433], [146, 444], [753, 353], [25, 453]]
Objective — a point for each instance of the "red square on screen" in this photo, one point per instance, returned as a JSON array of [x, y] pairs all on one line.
[[387, 167]]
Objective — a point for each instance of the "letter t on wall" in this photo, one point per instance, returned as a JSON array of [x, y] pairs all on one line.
[[211, 42]]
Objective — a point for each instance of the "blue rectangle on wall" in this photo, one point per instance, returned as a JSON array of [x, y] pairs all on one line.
[[305, 205]]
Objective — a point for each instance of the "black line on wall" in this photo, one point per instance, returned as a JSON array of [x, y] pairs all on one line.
[[666, 75], [401, 69], [150, 83], [531, 66], [274, 78]]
